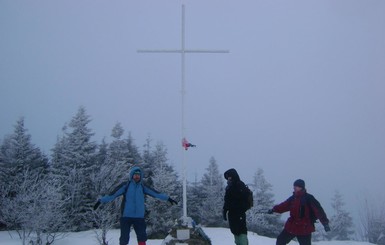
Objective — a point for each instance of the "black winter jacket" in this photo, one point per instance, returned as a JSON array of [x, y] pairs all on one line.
[[235, 193]]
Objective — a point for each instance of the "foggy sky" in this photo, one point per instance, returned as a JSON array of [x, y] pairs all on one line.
[[300, 95]]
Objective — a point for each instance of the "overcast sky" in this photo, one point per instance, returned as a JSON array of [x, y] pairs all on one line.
[[300, 95]]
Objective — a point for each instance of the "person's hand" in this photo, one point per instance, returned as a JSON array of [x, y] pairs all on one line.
[[172, 201], [224, 214], [96, 204], [270, 211], [327, 227]]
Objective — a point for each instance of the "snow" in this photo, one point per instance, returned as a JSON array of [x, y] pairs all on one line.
[[218, 236]]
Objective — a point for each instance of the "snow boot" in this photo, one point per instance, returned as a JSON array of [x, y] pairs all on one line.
[[141, 243]]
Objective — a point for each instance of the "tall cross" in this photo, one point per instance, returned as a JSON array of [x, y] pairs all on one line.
[[183, 51]]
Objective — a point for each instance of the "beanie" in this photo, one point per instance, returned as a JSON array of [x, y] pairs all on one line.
[[137, 172], [299, 183]]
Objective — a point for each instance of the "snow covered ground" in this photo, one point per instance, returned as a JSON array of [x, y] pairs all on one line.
[[219, 236]]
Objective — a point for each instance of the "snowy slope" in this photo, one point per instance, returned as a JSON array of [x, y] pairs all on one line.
[[219, 236]]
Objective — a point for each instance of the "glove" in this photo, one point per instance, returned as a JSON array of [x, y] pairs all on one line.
[[270, 211], [97, 205], [224, 215], [172, 201], [327, 227]]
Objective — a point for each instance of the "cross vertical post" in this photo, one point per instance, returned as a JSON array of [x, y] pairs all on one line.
[[183, 51]]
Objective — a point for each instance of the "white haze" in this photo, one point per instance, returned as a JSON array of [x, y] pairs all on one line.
[[301, 93]]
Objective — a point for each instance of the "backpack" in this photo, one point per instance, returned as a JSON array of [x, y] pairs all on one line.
[[308, 200], [249, 198], [311, 200]]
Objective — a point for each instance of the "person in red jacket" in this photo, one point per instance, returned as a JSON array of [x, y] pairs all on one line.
[[304, 211]]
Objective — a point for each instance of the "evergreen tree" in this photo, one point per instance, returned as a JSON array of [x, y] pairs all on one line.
[[260, 222], [341, 223], [104, 180], [73, 163], [3, 167], [147, 163], [195, 200], [114, 161], [161, 216], [372, 222], [121, 155], [19, 154], [29, 201], [212, 195], [134, 157]]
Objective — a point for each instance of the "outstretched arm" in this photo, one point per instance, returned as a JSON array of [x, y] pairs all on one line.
[[114, 194], [151, 192], [282, 207]]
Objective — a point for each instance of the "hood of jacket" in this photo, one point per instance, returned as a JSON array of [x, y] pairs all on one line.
[[133, 170], [232, 173]]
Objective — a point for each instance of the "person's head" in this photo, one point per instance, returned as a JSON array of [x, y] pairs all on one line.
[[136, 174], [231, 175], [299, 185]]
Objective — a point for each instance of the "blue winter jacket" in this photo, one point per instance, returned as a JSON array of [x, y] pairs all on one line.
[[133, 201]]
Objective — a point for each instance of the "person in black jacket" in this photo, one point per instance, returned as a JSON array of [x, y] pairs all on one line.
[[235, 206]]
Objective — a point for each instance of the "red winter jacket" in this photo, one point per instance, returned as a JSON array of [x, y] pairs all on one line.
[[299, 222]]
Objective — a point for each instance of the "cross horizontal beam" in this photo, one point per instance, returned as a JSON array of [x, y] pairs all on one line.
[[181, 51]]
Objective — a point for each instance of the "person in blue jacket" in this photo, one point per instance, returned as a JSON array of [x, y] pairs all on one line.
[[133, 208]]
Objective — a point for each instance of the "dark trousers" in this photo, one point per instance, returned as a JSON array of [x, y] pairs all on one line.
[[237, 222], [285, 237], [125, 227]]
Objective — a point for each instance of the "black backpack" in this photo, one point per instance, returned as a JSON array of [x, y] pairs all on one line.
[[308, 200], [249, 199], [311, 200]]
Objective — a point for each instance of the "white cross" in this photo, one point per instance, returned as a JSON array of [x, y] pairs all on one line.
[[183, 51]]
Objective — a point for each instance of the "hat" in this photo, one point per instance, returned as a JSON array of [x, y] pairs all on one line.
[[299, 183], [136, 172]]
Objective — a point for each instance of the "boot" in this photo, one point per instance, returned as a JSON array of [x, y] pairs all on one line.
[[242, 238], [141, 243]]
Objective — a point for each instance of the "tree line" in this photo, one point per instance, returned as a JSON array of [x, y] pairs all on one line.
[[42, 197]]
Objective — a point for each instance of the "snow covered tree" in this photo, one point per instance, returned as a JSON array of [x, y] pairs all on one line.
[[147, 163], [105, 217], [341, 223], [34, 209], [18, 156], [194, 202], [161, 216], [134, 157], [112, 168], [73, 163], [121, 155], [373, 223], [212, 189], [258, 220], [3, 175]]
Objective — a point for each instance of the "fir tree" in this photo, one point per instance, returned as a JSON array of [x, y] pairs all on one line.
[[260, 222], [147, 163], [212, 188], [372, 222], [195, 199], [161, 215], [341, 223], [19, 154], [73, 162]]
